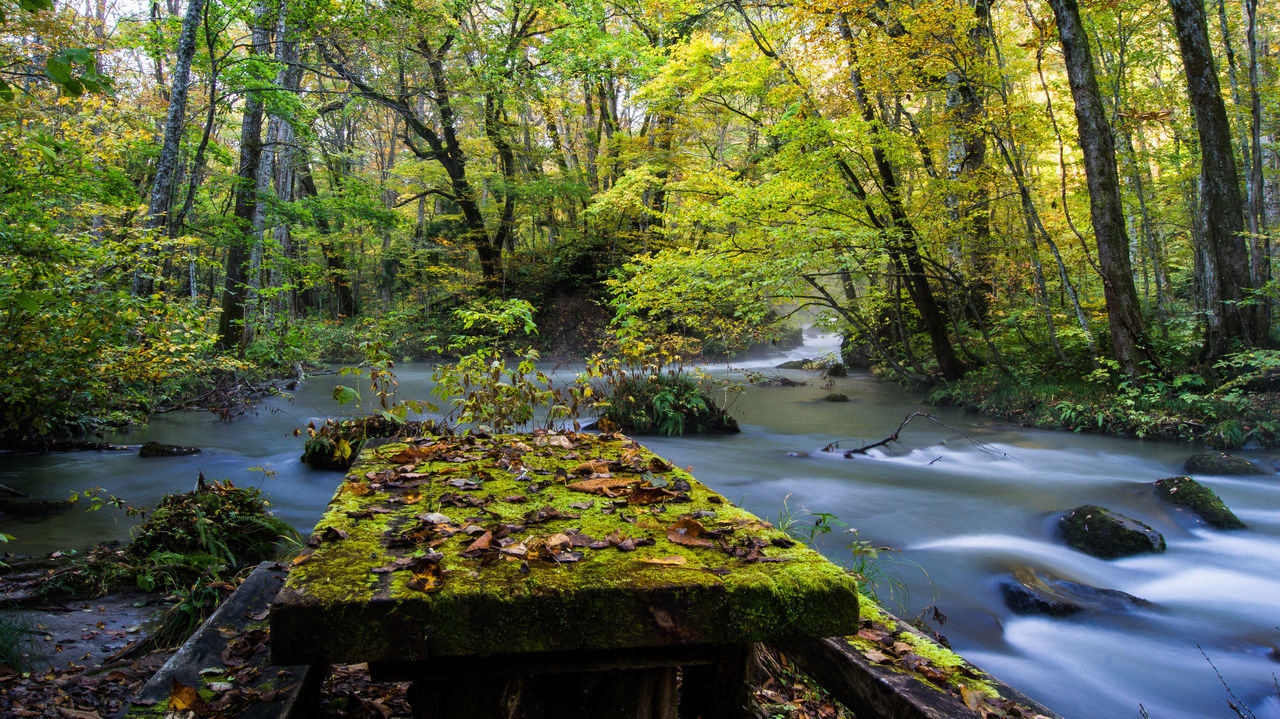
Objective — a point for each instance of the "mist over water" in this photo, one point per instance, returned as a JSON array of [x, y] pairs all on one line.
[[967, 503]]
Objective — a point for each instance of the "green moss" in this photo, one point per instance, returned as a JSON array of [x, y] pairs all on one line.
[[1204, 502], [955, 668], [608, 599]]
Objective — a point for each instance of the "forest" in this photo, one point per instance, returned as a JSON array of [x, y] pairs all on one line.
[[1058, 213]]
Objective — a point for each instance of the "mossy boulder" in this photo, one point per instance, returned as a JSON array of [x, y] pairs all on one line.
[[836, 397], [1027, 591], [1106, 534], [1221, 464], [796, 364], [1199, 500], [837, 370]]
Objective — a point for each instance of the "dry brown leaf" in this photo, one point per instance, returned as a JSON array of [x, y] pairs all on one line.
[[675, 560], [593, 467], [971, 698], [878, 657], [649, 495], [357, 489], [688, 532], [559, 542], [601, 485]]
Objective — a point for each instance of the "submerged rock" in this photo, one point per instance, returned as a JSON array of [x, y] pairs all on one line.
[[1198, 499], [796, 364], [33, 507], [1220, 463], [1031, 592], [1105, 534], [836, 397], [155, 449]]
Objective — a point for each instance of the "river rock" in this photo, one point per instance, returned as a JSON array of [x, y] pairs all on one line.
[[1105, 534], [1199, 500], [1030, 592], [155, 449], [836, 397], [837, 370], [1221, 464], [795, 364]]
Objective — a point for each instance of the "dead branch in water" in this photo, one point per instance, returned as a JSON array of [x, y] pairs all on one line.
[[982, 446]]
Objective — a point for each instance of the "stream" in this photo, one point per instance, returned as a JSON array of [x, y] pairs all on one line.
[[966, 503]]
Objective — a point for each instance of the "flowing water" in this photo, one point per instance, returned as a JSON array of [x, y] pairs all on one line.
[[967, 503]]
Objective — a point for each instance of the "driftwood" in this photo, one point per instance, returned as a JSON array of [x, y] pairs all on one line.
[[983, 446], [11, 492]]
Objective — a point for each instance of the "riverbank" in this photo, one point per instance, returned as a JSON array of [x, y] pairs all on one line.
[[1182, 411]]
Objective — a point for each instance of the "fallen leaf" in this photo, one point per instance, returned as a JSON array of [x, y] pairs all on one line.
[[658, 465], [481, 544], [332, 534], [971, 698], [559, 542], [688, 532], [649, 495], [592, 467], [427, 575], [878, 657], [674, 560], [602, 485], [567, 557], [183, 697]]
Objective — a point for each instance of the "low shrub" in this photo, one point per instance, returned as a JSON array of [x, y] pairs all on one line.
[[671, 403]]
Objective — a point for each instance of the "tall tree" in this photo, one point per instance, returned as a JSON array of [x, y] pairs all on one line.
[[1222, 258], [1124, 313], [167, 163], [235, 289]]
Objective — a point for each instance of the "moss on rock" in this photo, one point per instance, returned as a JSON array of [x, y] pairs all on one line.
[[1221, 464], [1106, 534], [1198, 499]]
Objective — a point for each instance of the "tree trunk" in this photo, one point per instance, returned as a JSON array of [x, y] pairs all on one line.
[[903, 241], [167, 162], [1260, 250], [1124, 314], [1221, 248], [335, 264], [231, 323]]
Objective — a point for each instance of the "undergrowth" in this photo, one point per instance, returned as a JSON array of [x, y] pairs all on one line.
[[1242, 409], [670, 403], [194, 547]]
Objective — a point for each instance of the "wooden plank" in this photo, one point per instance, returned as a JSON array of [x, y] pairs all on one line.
[[269, 692]]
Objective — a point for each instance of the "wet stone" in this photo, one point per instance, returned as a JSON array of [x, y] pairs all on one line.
[[1106, 534]]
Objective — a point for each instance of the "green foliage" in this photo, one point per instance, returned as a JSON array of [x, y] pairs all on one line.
[[672, 403], [1182, 408], [876, 567], [204, 536], [483, 389], [14, 639]]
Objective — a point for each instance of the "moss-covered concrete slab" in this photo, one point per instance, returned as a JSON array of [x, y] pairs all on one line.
[[457, 546]]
